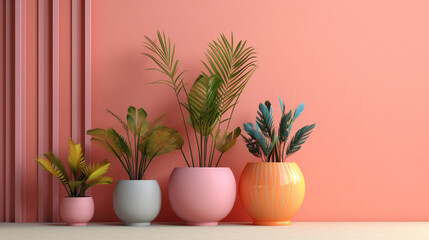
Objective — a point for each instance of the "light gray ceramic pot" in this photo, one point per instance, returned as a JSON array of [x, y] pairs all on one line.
[[137, 202]]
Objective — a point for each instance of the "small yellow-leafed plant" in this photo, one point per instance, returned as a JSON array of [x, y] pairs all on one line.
[[82, 175]]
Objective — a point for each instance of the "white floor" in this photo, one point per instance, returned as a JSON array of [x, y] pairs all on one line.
[[298, 231]]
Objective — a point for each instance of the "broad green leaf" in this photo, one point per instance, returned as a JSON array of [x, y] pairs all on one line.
[[225, 143], [97, 132], [160, 142]]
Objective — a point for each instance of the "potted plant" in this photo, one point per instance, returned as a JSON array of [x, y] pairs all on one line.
[[204, 193], [76, 209], [137, 202], [272, 191]]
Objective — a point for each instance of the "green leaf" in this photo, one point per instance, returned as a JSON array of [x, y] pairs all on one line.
[[97, 132], [204, 104], [225, 143], [142, 123], [234, 64], [118, 142], [131, 119], [161, 141]]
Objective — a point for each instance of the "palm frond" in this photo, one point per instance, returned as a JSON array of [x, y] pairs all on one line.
[[161, 52], [204, 104], [234, 64]]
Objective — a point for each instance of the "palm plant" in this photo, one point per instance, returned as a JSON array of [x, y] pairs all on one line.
[[148, 140], [213, 96], [82, 176], [271, 145]]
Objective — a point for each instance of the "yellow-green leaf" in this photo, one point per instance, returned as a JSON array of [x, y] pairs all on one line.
[[76, 158], [74, 185], [93, 171], [50, 167]]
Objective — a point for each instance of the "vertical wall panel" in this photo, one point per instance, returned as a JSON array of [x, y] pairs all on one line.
[[2, 106], [87, 77], [43, 109], [8, 111], [76, 71], [31, 109], [33, 87], [55, 102], [20, 149]]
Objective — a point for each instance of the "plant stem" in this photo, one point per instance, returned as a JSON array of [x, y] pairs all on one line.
[[219, 159], [67, 189], [211, 153], [187, 163], [205, 149], [186, 128]]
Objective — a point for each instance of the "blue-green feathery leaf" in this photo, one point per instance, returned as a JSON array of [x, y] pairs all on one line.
[[282, 106], [253, 146], [265, 120], [284, 127], [263, 142], [298, 110], [299, 139]]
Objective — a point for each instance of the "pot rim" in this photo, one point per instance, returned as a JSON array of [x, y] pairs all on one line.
[[272, 162], [203, 167], [137, 180], [77, 197]]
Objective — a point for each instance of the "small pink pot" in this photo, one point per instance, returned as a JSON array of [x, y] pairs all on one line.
[[77, 211], [202, 196]]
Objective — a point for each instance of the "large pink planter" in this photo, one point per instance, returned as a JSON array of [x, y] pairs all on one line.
[[202, 196], [77, 211]]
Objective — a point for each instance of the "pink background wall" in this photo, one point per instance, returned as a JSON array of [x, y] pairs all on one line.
[[361, 67]]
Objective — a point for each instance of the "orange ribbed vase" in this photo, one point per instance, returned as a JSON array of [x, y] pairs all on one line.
[[272, 192]]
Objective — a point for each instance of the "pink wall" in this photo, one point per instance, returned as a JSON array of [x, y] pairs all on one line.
[[361, 67]]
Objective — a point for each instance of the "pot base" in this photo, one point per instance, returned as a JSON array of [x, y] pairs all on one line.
[[202, 223], [138, 224], [272, 223], [77, 224]]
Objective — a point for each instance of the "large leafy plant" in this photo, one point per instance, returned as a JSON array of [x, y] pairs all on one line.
[[271, 145], [82, 176], [213, 96], [143, 141]]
